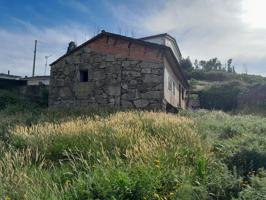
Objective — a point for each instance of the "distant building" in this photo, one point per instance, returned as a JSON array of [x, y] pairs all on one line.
[[8, 81], [112, 70], [9, 77], [37, 80]]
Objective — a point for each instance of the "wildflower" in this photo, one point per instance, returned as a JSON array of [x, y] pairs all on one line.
[[157, 163], [7, 198], [145, 198], [172, 194], [67, 182], [156, 195]]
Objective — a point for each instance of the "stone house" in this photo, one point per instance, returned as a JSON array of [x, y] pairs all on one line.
[[112, 70]]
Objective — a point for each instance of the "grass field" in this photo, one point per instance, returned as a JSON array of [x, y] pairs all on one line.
[[86, 154]]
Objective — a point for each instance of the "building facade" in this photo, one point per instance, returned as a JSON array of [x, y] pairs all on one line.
[[111, 70]]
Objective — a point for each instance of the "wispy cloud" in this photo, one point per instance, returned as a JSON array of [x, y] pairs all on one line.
[[203, 29], [76, 4], [16, 52]]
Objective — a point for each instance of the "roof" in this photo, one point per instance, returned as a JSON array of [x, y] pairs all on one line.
[[164, 35], [104, 33], [37, 77], [9, 75], [138, 41], [158, 35]]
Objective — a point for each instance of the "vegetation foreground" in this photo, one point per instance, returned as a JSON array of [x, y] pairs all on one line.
[[74, 154]]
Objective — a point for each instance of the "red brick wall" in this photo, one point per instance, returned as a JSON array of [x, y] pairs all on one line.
[[123, 48]]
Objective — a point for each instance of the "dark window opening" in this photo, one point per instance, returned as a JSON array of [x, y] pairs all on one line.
[[83, 75]]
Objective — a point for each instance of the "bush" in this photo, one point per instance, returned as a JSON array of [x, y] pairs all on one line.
[[221, 97], [247, 161], [8, 98], [255, 188]]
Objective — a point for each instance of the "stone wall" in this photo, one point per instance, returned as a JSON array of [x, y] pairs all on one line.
[[112, 81]]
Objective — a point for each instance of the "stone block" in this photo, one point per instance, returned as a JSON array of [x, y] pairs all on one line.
[[113, 90], [146, 70], [152, 95], [98, 75], [126, 104], [141, 103], [109, 58], [151, 78]]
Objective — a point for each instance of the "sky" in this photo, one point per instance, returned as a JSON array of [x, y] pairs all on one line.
[[203, 29]]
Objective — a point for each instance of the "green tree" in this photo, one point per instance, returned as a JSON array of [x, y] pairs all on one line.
[[196, 64], [229, 65], [187, 64]]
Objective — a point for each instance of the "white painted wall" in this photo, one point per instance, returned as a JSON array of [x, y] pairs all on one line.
[[169, 96], [157, 40], [164, 40], [38, 81]]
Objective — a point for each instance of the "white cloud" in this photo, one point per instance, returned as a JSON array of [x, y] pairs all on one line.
[[204, 29], [16, 52], [76, 4]]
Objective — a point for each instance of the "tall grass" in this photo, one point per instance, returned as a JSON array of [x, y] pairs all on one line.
[[74, 154]]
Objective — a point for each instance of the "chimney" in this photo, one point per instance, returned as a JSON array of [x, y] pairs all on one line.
[[71, 46], [8, 72]]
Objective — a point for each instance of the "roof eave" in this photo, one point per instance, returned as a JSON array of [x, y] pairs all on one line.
[[179, 67]]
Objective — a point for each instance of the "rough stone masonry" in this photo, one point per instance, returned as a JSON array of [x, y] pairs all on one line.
[[112, 81]]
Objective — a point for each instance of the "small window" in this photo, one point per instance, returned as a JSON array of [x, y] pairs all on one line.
[[169, 84], [173, 88], [83, 75]]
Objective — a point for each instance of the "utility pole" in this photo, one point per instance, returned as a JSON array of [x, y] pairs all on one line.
[[34, 59], [46, 58]]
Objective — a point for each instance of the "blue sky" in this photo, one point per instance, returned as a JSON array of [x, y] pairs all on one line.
[[202, 28]]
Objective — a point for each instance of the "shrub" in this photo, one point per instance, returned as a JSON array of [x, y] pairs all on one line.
[[221, 97], [256, 188], [247, 161]]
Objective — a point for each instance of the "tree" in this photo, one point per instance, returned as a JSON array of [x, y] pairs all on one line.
[[202, 63], [187, 64], [196, 64], [212, 64], [233, 70], [229, 63]]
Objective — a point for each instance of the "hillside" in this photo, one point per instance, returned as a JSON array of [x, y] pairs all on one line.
[[86, 154], [226, 91]]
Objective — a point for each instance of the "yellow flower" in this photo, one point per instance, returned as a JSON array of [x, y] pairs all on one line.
[[145, 198], [67, 182], [157, 163], [172, 194], [7, 198], [156, 196]]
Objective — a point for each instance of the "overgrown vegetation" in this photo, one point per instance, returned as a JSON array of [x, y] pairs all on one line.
[[14, 97], [219, 87], [108, 154]]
